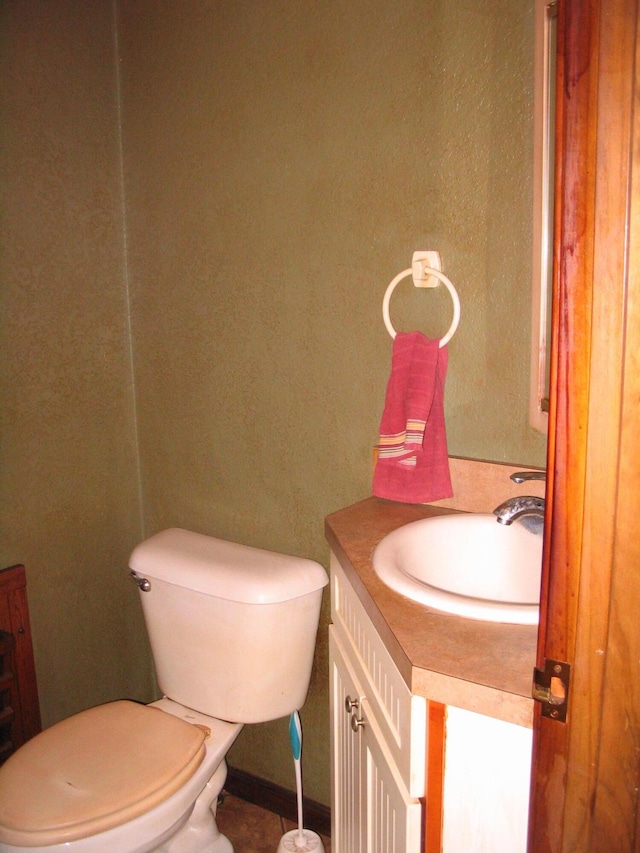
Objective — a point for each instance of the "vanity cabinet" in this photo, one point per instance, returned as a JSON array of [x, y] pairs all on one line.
[[384, 749], [378, 736]]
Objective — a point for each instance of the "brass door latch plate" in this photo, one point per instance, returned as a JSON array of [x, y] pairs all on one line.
[[551, 688]]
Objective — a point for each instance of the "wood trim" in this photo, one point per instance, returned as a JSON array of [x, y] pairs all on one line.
[[433, 807], [14, 618], [586, 775], [573, 249], [9, 701], [279, 800], [568, 415], [615, 779]]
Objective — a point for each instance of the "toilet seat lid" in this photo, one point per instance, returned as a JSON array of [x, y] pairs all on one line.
[[93, 771]]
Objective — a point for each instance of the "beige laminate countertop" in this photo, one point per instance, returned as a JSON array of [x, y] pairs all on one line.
[[479, 666]]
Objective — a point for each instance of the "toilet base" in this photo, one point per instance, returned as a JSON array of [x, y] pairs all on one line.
[[200, 834]]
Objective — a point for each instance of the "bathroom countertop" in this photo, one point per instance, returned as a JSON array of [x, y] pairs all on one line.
[[479, 666]]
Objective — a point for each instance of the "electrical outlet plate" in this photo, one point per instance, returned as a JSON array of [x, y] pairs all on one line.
[[420, 263]]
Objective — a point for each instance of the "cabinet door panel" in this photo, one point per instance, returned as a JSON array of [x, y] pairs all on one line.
[[346, 764], [372, 811], [392, 818]]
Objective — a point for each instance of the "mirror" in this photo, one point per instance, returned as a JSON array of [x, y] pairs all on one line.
[[543, 204]]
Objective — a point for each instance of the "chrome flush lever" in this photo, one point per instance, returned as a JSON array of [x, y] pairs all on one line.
[[141, 583]]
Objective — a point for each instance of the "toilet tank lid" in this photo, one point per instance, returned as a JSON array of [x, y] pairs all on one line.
[[225, 569]]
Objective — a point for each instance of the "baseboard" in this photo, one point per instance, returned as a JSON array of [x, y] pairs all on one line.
[[281, 801]]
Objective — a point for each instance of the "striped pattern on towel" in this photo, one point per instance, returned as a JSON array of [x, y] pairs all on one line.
[[402, 446]]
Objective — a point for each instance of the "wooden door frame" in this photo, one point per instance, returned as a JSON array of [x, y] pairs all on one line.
[[586, 772]]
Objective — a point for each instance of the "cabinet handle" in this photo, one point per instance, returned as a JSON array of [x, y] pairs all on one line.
[[351, 705], [356, 723]]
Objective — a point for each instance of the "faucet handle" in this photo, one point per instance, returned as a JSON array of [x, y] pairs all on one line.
[[525, 476]]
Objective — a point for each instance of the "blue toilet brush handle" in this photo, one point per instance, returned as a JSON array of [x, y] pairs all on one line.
[[295, 734]]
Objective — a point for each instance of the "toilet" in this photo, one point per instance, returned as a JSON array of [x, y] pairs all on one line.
[[232, 631]]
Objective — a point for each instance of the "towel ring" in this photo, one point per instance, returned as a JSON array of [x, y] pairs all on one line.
[[447, 283]]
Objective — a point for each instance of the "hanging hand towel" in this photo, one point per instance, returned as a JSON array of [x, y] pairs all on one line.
[[413, 463]]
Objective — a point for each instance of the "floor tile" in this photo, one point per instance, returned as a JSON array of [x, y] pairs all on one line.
[[249, 828], [252, 829]]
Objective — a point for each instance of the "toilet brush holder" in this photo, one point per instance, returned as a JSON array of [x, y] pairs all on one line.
[[294, 842], [299, 840]]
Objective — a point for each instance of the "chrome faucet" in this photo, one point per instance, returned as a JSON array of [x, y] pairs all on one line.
[[514, 508], [525, 476]]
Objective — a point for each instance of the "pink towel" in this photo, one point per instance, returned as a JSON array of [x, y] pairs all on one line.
[[413, 463]]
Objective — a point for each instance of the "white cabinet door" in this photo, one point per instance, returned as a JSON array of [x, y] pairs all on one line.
[[392, 819], [346, 762], [372, 811], [400, 716], [486, 784]]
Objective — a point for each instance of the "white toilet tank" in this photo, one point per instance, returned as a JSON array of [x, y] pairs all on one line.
[[232, 628]]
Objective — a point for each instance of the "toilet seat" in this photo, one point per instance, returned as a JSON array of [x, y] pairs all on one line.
[[95, 770]]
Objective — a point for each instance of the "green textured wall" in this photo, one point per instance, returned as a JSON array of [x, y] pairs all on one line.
[[69, 505], [281, 162]]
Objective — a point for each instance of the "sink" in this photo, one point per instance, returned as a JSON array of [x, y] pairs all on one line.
[[465, 564]]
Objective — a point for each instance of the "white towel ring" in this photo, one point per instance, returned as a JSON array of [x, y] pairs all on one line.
[[447, 283]]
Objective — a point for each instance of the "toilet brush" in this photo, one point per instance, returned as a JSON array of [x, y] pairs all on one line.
[[299, 840]]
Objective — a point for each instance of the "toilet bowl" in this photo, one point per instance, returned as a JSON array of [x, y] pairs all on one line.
[[167, 826], [232, 631]]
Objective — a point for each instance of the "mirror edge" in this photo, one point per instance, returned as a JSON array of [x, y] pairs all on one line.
[[542, 238]]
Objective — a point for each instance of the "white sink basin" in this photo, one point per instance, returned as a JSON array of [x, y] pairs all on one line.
[[466, 564]]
